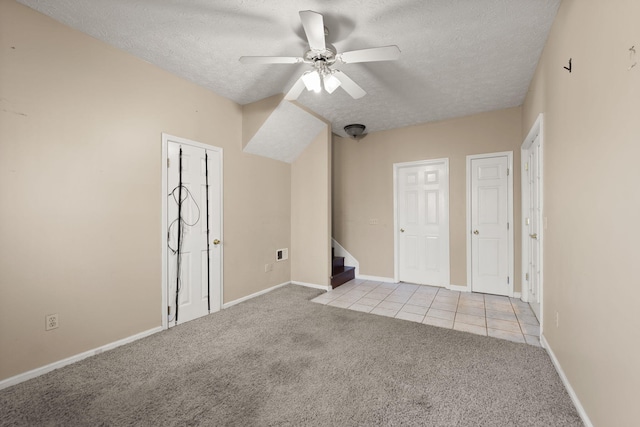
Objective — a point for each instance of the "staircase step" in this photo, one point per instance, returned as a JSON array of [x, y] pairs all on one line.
[[342, 275], [338, 261]]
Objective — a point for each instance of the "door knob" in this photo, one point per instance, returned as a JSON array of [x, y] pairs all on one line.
[[476, 232], [216, 242], [402, 230], [533, 236]]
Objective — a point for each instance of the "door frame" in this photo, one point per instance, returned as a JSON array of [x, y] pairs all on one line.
[[537, 130], [166, 138], [510, 234], [396, 237]]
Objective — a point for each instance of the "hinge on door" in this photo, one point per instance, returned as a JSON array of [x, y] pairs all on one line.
[[169, 310], [526, 166], [507, 280], [507, 226], [526, 277], [507, 171], [168, 162]]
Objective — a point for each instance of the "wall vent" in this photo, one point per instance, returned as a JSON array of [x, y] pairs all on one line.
[[282, 254]]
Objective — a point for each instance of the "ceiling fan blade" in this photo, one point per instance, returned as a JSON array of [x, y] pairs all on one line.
[[386, 53], [349, 85], [295, 90], [313, 25], [270, 60]]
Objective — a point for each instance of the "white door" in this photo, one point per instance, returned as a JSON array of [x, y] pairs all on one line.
[[533, 220], [422, 216], [489, 225], [194, 279]]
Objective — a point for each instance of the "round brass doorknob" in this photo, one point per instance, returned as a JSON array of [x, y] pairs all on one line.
[[216, 242], [402, 230], [476, 232]]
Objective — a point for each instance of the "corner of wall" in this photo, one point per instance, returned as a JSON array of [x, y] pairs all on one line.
[[255, 114], [311, 213]]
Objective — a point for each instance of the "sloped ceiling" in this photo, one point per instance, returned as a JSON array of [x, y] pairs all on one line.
[[459, 57], [285, 134]]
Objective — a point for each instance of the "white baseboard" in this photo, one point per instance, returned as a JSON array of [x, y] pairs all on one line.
[[375, 278], [76, 358], [467, 289], [248, 297], [574, 398], [311, 285]]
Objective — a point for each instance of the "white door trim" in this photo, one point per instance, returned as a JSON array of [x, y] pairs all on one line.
[[537, 130], [396, 239], [165, 155], [510, 244]]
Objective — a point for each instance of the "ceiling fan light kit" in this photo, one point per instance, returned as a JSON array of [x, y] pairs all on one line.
[[331, 83], [311, 80], [323, 58]]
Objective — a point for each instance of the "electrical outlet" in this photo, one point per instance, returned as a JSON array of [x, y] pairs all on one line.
[[373, 221], [268, 267], [51, 322]]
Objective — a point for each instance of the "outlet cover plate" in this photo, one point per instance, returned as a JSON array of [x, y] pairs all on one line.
[[51, 322]]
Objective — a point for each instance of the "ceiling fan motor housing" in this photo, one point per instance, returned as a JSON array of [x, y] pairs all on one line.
[[328, 55]]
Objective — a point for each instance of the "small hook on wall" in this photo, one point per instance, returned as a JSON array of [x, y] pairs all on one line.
[[632, 57], [569, 67]]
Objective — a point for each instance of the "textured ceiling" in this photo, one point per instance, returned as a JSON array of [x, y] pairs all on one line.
[[459, 57]]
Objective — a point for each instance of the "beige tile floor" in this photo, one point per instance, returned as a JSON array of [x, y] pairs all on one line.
[[492, 315]]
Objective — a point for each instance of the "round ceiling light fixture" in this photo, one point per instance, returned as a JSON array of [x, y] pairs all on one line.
[[355, 131]]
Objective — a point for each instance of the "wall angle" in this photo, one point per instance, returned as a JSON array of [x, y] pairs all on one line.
[[285, 133]]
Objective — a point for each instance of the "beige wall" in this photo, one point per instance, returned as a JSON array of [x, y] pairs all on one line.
[[80, 184], [255, 114], [363, 183], [311, 213], [592, 202]]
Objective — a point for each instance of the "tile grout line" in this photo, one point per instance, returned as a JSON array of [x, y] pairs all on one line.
[[486, 322], [518, 320]]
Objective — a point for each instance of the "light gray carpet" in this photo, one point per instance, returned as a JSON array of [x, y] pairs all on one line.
[[279, 359]]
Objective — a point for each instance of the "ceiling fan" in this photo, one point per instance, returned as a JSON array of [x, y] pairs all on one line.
[[322, 57]]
